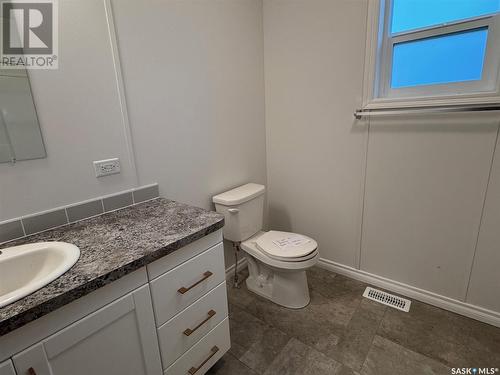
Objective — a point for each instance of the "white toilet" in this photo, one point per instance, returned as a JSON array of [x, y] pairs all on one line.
[[277, 261]]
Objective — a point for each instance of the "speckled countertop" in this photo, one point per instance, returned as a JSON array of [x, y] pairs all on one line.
[[111, 246]]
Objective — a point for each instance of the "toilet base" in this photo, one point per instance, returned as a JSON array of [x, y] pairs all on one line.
[[287, 288]]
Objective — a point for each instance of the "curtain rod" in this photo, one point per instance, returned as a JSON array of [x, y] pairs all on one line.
[[361, 112]]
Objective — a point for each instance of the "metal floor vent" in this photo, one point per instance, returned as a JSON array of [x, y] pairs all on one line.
[[384, 298]]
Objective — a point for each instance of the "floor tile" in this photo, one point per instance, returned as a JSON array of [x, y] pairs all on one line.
[[325, 324], [298, 358], [229, 365], [246, 329], [323, 316], [354, 342], [355, 335], [431, 331], [484, 345], [344, 370], [312, 323], [387, 357], [254, 342], [236, 349], [336, 286], [320, 279], [374, 307]]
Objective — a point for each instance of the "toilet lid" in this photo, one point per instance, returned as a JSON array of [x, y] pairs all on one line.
[[286, 245]]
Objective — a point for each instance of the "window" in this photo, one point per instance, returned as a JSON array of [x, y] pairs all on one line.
[[456, 57], [437, 48]]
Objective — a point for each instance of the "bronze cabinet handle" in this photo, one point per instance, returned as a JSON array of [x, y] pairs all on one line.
[[189, 331], [206, 275], [31, 371], [213, 351]]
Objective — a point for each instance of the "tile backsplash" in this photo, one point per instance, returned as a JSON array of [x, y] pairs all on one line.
[[84, 210], [117, 201], [39, 222], [44, 221], [10, 230]]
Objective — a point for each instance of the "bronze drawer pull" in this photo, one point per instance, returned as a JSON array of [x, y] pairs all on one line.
[[206, 275], [31, 371], [213, 351], [189, 331]]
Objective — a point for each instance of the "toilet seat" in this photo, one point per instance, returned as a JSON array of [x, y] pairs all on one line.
[[294, 260], [250, 246], [286, 246]]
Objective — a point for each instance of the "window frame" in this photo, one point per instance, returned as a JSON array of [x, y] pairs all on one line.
[[378, 66]]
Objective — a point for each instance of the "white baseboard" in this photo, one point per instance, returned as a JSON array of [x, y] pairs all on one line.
[[459, 307], [242, 263]]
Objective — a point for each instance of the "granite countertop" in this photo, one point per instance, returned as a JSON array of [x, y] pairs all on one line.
[[111, 246]]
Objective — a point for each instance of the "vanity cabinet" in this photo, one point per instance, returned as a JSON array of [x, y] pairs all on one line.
[[6, 368], [120, 338], [170, 318]]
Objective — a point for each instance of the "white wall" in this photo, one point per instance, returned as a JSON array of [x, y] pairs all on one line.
[[193, 73], [314, 53], [425, 186], [412, 212], [194, 80], [484, 288], [79, 111]]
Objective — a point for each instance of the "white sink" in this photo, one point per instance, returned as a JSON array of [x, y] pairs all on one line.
[[27, 268]]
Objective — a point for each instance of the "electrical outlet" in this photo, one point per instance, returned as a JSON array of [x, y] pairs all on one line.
[[107, 167]]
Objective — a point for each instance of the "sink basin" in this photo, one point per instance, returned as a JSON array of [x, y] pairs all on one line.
[[27, 268]]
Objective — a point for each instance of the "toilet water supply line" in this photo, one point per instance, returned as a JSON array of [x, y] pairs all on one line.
[[236, 246]]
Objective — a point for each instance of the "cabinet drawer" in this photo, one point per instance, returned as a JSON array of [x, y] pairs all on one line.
[[184, 330], [204, 354], [166, 263], [180, 287]]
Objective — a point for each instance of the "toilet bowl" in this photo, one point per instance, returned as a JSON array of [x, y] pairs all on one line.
[[277, 261], [280, 278]]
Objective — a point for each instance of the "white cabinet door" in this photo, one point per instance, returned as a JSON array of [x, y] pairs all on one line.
[[6, 368], [119, 339]]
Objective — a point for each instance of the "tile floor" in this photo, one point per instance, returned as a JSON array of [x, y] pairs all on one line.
[[342, 333]]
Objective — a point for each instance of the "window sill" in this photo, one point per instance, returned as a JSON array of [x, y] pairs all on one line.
[[388, 103]]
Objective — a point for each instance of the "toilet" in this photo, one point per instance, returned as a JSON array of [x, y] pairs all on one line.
[[277, 261]]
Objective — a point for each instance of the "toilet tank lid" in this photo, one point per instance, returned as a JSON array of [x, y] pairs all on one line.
[[239, 195]]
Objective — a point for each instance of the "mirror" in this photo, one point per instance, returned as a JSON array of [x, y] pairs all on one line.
[[20, 134]]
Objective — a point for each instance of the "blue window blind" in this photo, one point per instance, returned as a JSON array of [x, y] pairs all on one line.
[[416, 14], [442, 59]]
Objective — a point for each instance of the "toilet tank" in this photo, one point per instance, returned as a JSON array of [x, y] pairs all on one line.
[[243, 210]]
